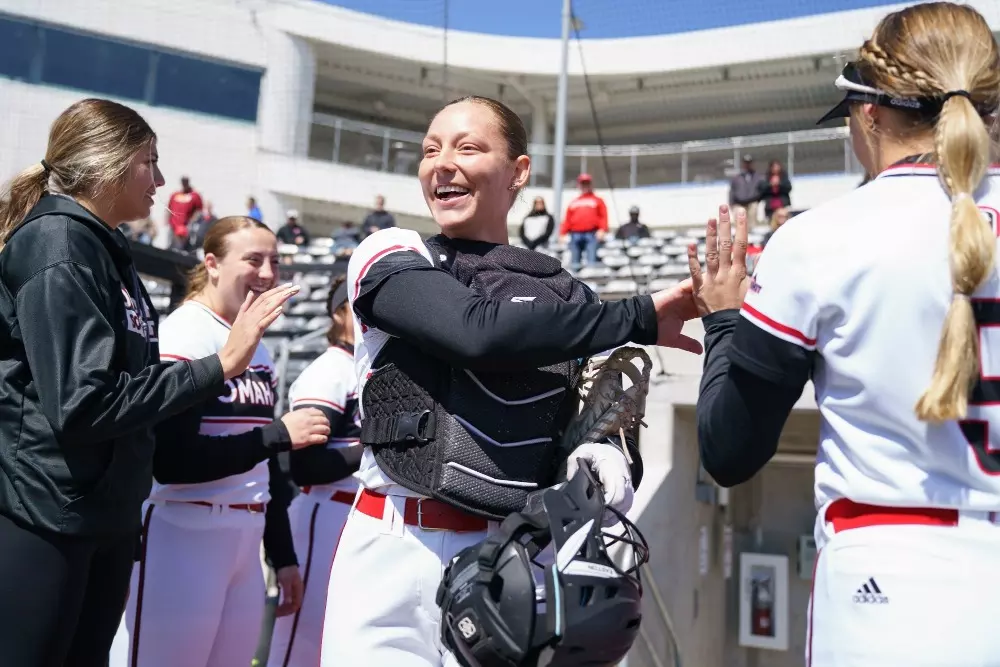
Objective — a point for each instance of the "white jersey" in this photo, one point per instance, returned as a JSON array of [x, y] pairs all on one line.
[[859, 287], [330, 384], [377, 257], [194, 331]]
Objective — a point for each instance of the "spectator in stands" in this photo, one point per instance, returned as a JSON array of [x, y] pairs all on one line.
[[199, 226], [779, 218], [538, 226], [346, 238], [378, 219], [253, 211], [585, 223], [292, 232], [633, 230], [775, 189], [182, 206], [744, 189]]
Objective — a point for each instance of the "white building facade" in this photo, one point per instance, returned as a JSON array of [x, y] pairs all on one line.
[[240, 92]]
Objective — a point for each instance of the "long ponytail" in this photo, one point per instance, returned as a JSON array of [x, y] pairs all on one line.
[[963, 150], [947, 51], [19, 196]]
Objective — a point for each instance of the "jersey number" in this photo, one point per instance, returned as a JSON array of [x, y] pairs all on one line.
[[986, 392]]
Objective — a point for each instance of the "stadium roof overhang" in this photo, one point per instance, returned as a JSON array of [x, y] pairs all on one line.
[[739, 99], [647, 89]]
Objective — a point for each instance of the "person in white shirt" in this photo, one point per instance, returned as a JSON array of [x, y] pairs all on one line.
[[197, 592], [888, 299]]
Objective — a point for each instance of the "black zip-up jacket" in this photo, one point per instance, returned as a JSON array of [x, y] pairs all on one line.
[[81, 383]]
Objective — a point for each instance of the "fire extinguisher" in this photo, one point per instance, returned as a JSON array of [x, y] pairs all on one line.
[[762, 609]]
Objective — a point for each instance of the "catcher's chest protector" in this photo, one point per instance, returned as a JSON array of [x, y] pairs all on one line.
[[479, 440]]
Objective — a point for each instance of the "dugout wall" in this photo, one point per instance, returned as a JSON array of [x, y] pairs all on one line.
[[694, 569]]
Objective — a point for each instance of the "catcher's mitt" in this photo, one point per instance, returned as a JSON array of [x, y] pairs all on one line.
[[607, 408]]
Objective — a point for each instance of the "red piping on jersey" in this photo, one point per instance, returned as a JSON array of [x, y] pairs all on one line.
[[175, 357], [299, 402], [778, 326], [376, 257]]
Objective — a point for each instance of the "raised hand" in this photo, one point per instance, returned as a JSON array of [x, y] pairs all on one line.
[[724, 283], [255, 316]]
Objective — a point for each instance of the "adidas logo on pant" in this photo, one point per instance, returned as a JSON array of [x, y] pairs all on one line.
[[870, 593]]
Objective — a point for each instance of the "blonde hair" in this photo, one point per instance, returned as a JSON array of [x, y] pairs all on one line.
[[930, 50], [91, 146], [215, 244]]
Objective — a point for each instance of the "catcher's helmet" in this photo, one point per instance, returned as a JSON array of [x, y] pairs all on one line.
[[586, 613]]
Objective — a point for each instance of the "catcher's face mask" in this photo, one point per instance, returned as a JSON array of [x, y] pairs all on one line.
[[588, 610]]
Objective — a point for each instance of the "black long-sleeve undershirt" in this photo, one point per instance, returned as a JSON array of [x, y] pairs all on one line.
[[279, 545], [740, 414], [443, 317], [185, 456], [322, 465]]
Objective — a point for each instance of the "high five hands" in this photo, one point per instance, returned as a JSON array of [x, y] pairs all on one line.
[[724, 283], [722, 286]]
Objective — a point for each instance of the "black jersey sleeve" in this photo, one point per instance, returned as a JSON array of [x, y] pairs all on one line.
[[741, 410], [328, 384], [279, 546], [81, 398], [397, 289], [184, 456]]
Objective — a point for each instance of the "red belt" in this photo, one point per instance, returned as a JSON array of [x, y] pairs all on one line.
[[424, 513], [846, 514], [253, 508], [338, 496]]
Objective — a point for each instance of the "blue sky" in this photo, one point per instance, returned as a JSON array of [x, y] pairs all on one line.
[[602, 18]]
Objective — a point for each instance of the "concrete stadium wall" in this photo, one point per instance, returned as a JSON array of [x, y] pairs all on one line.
[[662, 207], [767, 515]]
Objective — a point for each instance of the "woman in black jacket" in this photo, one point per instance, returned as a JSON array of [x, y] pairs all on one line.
[[81, 384]]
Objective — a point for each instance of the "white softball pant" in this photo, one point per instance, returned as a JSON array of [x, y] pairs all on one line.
[[317, 520], [917, 591], [197, 597], [381, 609]]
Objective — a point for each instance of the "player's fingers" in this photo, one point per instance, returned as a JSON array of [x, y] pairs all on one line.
[[687, 344], [712, 247], [246, 302], [740, 244], [269, 319], [694, 268], [725, 239]]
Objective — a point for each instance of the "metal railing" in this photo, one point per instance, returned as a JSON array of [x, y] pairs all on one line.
[[395, 150]]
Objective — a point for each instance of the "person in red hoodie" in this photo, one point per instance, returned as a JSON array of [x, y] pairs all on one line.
[[585, 222]]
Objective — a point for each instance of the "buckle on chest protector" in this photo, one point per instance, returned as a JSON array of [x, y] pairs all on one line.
[[415, 427]]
